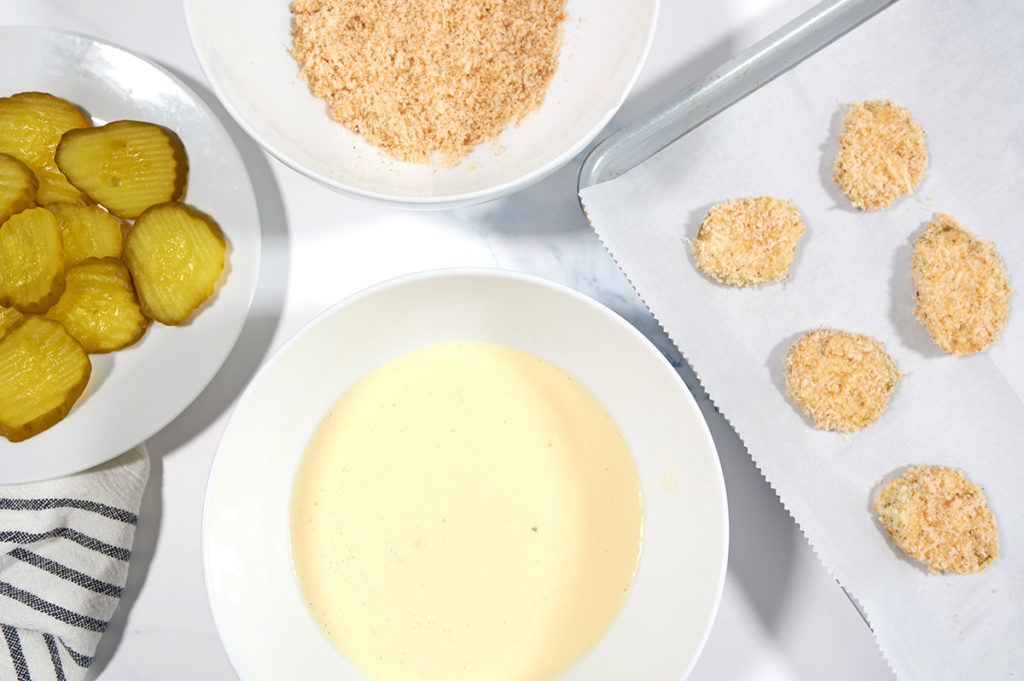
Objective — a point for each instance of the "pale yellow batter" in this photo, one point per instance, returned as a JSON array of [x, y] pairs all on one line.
[[466, 511]]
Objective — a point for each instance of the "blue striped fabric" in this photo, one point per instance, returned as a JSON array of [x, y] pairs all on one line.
[[65, 546]]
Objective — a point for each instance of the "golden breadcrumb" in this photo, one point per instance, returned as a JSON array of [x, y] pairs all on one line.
[[963, 297], [937, 516], [841, 380], [416, 78], [748, 241], [882, 154]]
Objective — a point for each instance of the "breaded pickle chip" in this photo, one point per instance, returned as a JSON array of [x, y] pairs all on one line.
[[43, 371], [882, 154], [125, 166], [962, 293], [31, 126], [8, 318], [841, 380], [937, 516], [88, 232], [31, 261], [18, 187], [99, 307], [176, 255], [748, 241]]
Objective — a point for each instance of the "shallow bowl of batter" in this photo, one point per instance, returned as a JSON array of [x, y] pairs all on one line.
[[243, 49], [260, 605]]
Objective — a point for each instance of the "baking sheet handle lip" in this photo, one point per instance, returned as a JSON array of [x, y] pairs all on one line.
[[734, 80]]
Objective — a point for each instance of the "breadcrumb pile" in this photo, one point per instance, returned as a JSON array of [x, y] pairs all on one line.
[[882, 154], [415, 78], [841, 380], [937, 516], [748, 241], [962, 292]]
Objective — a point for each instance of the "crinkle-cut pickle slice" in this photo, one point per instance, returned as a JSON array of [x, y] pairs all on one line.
[[939, 517], [18, 187], [748, 241], [842, 380], [43, 371], [176, 255], [31, 261], [962, 292], [8, 318], [125, 166], [99, 308], [882, 154], [88, 232], [31, 126]]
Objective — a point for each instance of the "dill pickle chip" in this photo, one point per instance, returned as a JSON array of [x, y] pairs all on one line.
[[31, 126], [175, 254], [8, 318], [31, 261], [99, 307], [43, 371], [125, 166], [962, 292], [18, 187], [88, 232]]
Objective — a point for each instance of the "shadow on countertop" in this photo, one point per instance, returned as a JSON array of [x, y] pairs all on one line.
[[234, 375]]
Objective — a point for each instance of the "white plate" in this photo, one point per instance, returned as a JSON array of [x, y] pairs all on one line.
[[136, 391], [260, 616], [243, 46]]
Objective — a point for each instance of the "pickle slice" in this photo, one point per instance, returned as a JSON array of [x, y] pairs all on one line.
[[43, 371], [125, 166], [99, 307], [18, 187], [176, 255], [88, 232], [31, 126], [31, 261], [8, 318]]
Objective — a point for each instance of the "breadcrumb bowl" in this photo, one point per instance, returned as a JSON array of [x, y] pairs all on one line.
[[244, 50]]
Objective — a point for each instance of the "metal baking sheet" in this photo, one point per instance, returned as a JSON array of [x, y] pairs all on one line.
[[731, 82], [957, 67]]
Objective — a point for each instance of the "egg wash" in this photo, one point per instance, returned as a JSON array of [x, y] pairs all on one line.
[[466, 511]]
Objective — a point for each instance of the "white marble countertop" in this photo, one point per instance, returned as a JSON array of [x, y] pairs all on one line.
[[781, 615]]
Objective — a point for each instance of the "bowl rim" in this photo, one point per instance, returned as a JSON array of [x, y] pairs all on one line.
[[468, 272], [439, 202]]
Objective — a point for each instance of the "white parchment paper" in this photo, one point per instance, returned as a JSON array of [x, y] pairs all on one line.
[[959, 68]]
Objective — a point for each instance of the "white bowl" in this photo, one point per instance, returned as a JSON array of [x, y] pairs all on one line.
[[134, 392], [242, 46], [260, 615]]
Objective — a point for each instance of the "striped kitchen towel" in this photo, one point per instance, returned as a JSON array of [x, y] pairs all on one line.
[[64, 550]]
